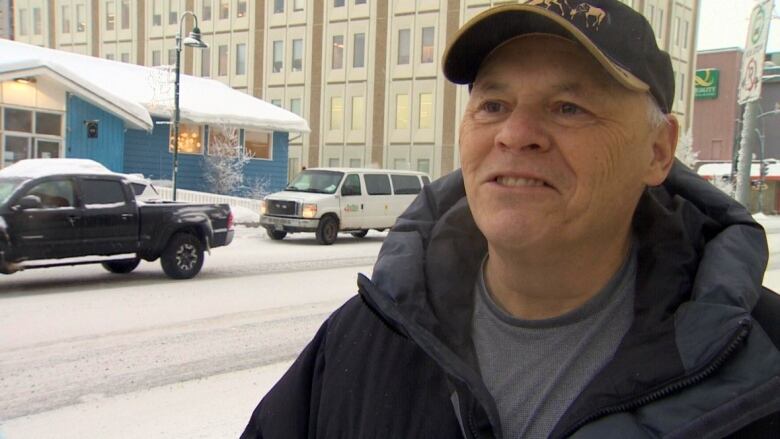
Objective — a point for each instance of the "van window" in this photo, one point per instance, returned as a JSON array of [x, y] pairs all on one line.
[[351, 185], [377, 184], [405, 184]]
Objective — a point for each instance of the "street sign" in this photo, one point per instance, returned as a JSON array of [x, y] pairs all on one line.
[[755, 49], [707, 83]]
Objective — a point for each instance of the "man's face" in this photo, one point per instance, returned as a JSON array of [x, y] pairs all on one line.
[[555, 154]]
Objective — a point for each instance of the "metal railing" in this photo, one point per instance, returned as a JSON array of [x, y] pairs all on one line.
[[204, 197]]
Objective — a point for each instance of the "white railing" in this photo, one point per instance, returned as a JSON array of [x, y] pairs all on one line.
[[204, 197]]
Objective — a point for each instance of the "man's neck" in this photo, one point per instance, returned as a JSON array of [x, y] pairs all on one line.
[[530, 286]]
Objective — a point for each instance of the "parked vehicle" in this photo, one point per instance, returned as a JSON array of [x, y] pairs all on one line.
[[55, 210], [327, 201]]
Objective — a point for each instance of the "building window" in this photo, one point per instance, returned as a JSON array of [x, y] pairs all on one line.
[[278, 6], [358, 50], [190, 139], [336, 112], [241, 8], [297, 55], [660, 26], [401, 111], [30, 134], [682, 87], [338, 3], [223, 61], [295, 106], [425, 119], [399, 164], [49, 124], [223, 141], [109, 15], [298, 5], [156, 13], [677, 31], [277, 102], [22, 22], [36, 21], [205, 62], [426, 56], [65, 19], [360, 2], [224, 9], [356, 163], [81, 21], [171, 57], [258, 144], [333, 162], [337, 62], [173, 15], [358, 112], [156, 55], [125, 57], [206, 14], [278, 56], [424, 165], [241, 59], [404, 36], [685, 35], [125, 14], [110, 56]]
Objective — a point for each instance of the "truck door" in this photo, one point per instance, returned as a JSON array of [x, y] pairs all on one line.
[[110, 216], [52, 230], [351, 203]]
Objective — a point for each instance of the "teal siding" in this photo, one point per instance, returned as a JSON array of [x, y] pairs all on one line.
[[107, 148], [148, 154]]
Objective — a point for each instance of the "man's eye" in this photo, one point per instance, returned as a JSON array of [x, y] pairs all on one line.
[[570, 109], [492, 107]]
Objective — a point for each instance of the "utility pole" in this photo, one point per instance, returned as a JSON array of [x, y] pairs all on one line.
[[745, 158]]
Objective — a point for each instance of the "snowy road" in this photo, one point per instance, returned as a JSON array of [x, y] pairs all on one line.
[[78, 338], [88, 354]]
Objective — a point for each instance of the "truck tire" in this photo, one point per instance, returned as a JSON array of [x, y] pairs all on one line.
[[360, 233], [182, 257], [276, 235], [327, 230], [121, 266]]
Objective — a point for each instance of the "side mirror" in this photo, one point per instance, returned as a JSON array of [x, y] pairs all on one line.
[[30, 202]]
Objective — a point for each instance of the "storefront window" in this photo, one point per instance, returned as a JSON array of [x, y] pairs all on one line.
[[190, 139]]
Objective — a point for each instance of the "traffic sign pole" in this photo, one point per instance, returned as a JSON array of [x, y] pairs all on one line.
[[745, 158]]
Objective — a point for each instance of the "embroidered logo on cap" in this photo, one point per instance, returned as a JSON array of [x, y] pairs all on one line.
[[592, 15]]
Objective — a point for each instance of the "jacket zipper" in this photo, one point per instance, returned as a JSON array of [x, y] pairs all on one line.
[[735, 342]]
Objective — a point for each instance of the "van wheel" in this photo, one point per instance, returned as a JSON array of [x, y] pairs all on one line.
[[276, 235], [121, 266], [327, 230], [182, 257], [359, 233]]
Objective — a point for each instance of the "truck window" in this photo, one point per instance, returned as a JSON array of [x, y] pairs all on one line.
[[405, 184], [351, 185], [377, 184], [54, 193], [7, 187], [102, 193]]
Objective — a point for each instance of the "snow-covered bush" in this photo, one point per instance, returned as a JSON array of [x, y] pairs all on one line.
[[224, 164], [685, 151]]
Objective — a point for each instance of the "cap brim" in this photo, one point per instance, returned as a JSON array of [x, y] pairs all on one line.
[[486, 31]]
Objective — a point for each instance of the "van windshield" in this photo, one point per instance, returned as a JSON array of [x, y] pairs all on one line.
[[318, 182]]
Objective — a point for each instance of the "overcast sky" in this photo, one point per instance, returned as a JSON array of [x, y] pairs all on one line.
[[723, 23]]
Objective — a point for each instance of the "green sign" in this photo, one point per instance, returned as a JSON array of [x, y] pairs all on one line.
[[706, 82]]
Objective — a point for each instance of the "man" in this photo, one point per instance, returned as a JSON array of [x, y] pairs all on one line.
[[571, 281]]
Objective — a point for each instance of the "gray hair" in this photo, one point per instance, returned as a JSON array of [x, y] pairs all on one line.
[[655, 116]]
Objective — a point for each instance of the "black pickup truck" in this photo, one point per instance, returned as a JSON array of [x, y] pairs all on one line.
[[70, 215]]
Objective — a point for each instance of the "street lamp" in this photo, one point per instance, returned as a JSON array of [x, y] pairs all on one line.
[[193, 40], [761, 177]]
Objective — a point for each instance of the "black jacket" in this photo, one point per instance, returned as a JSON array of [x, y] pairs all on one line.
[[700, 360]]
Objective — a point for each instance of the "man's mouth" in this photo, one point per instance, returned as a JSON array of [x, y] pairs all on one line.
[[519, 182]]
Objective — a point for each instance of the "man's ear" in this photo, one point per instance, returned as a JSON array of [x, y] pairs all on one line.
[[664, 144]]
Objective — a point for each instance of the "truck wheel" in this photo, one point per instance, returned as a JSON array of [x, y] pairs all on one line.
[[276, 235], [360, 233], [121, 266], [327, 230], [182, 257]]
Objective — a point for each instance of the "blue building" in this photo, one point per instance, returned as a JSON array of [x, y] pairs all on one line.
[[60, 104]]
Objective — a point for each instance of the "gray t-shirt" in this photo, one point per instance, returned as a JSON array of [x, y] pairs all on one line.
[[536, 368]]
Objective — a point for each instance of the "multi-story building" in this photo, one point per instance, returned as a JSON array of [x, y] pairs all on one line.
[[6, 19], [364, 73]]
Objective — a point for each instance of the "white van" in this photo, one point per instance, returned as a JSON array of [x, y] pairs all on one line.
[[327, 201]]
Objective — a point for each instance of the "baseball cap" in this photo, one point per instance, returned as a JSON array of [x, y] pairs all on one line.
[[617, 36]]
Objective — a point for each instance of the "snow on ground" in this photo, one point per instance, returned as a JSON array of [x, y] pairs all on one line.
[[243, 215]]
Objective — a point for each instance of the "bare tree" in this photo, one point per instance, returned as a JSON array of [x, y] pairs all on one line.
[[225, 162]]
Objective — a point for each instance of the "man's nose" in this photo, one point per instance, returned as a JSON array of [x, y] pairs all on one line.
[[522, 131]]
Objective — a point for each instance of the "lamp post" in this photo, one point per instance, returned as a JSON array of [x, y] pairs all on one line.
[[762, 175], [193, 40]]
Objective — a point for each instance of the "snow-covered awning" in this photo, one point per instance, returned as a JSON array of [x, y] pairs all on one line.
[[137, 93]]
